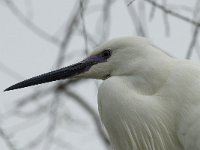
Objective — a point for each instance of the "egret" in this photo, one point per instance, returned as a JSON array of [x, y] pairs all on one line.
[[147, 100]]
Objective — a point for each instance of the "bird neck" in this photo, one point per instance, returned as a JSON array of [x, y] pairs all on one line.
[[151, 76]]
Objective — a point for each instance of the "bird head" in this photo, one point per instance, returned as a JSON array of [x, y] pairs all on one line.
[[118, 57]]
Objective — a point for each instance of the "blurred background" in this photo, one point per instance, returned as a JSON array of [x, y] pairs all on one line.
[[37, 36]]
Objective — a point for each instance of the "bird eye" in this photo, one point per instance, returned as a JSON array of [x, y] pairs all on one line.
[[106, 53]]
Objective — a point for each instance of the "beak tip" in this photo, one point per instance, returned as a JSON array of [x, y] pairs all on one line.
[[8, 89]]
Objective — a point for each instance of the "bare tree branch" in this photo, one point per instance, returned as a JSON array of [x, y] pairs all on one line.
[[29, 24], [166, 19], [84, 32], [152, 12], [172, 13], [139, 28], [72, 23], [53, 120], [92, 113], [130, 2], [10, 72], [34, 143], [105, 20], [192, 43], [7, 140]]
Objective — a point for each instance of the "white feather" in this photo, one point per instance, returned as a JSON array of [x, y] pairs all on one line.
[[151, 101]]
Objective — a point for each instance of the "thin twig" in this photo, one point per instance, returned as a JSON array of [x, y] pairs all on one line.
[[152, 13], [92, 113], [106, 19], [36, 141], [192, 43], [7, 140], [69, 30], [166, 20], [84, 32], [172, 13], [130, 2], [53, 121], [10, 72], [29, 24], [139, 27]]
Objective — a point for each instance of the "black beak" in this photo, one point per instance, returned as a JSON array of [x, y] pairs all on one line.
[[59, 74]]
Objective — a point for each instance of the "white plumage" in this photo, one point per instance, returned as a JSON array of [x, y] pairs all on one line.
[[151, 101], [147, 101]]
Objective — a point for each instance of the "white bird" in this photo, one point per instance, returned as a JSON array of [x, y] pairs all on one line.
[[147, 100]]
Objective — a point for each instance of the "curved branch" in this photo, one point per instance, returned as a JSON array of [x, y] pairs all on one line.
[[172, 13], [7, 140], [192, 43], [93, 114], [29, 24]]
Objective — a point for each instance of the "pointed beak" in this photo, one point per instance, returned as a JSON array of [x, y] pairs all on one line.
[[63, 73]]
